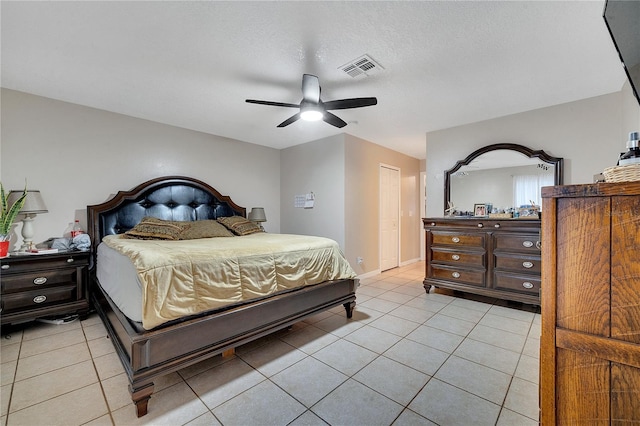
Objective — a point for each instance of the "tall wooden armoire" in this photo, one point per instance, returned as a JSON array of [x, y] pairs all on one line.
[[590, 344]]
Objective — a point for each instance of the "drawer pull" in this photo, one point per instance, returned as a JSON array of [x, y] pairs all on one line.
[[456, 275], [70, 260], [527, 265], [6, 266], [455, 239], [527, 284], [39, 299], [39, 280], [497, 225], [455, 257], [527, 243], [480, 225], [433, 224]]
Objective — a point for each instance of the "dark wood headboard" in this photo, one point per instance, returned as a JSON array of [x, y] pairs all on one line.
[[170, 198]]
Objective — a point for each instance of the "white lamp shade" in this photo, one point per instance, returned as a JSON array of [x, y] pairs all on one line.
[[257, 215], [33, 203]]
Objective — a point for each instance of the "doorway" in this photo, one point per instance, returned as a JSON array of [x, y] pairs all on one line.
[[389, 217]]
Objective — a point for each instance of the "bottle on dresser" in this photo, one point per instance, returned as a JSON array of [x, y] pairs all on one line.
[[632, 156]]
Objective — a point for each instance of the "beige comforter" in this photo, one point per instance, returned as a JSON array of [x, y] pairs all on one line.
[[181, 278]]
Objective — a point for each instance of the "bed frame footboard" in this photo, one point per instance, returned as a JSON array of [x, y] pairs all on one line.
[[147, 355]]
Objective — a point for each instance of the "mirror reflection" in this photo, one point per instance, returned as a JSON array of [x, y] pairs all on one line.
[[500, 179]]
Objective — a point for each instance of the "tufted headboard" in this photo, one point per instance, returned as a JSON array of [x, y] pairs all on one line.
[[170, 198]]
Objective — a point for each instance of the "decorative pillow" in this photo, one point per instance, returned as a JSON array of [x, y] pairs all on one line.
[[205, 229], [151, 228], [239, 225]]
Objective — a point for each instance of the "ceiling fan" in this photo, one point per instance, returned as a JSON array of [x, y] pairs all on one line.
[[312, 108]]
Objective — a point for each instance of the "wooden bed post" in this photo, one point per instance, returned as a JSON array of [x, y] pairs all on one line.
[[141, 397], [349, 308]]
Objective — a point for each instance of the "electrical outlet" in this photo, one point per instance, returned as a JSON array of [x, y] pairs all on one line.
[[359, 260]]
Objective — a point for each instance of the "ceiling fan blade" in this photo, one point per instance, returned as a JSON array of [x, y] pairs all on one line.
[[290, 120], [350, 103], [280, 104], [310, 88], [334, 120]]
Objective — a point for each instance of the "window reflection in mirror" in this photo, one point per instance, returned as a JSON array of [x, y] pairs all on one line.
[[507, 176]]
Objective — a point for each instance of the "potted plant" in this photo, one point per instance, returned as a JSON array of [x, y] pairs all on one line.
[[7, 216]]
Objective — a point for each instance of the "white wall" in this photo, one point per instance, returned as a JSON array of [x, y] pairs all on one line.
[[316, 167], [78, 156], [589, 134]]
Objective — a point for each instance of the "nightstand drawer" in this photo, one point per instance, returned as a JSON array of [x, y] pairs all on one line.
[[38, 298], [31, 281], [29, 263]]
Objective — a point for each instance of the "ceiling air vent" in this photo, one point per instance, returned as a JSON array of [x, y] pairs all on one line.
[[362, 67]]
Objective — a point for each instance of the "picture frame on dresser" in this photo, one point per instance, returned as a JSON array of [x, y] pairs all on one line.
[[480, 210]]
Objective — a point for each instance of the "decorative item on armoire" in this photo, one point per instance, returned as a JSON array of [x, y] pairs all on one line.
[[628, 167]]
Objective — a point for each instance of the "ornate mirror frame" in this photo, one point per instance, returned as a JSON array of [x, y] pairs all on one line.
[[540, 154]]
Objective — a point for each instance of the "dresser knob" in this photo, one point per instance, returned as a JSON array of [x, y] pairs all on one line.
[[433, 224], [455, 239], [527, 284], [527, 265], [455, 257], [456, 275], [39, 299], [70, 260], [527, 244], [480, 225], [39, 280], [6, 266], [497, 225]]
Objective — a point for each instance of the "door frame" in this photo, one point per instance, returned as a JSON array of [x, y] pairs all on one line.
[[398, 231]]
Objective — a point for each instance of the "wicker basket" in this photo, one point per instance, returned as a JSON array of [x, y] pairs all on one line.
[[626, 173]]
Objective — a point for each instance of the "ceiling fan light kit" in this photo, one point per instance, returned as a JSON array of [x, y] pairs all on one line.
[[313, 109], [310, 113]]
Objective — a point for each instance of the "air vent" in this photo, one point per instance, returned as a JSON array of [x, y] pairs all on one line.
[[362, 67]]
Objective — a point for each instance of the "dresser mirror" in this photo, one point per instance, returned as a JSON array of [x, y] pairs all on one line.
[[503, 176]]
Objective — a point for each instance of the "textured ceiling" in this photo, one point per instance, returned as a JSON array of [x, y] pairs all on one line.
[[192, 64]]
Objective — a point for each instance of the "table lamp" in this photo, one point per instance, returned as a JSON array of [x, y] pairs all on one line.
[[257, 215], [33, 205]]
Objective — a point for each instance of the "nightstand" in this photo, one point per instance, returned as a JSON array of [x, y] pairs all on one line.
[[35, 286]]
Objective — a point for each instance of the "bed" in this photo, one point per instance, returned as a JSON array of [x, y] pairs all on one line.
[[159, 348]]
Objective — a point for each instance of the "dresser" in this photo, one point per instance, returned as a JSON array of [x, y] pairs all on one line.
[[35, 286], [590, 343], [491, 257]]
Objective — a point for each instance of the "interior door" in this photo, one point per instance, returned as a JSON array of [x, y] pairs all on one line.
[[389, 217]]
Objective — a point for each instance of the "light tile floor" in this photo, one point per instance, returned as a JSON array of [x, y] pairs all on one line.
[[405, 358]]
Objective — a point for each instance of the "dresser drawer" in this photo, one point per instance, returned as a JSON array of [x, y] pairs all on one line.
[[474, 277], [457, 257], [38, 298], [39, 279], [457, 239], [527, 264], [518, 242], [514, 282]]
